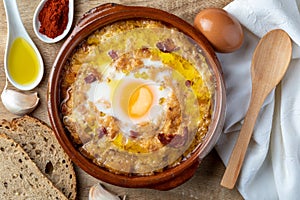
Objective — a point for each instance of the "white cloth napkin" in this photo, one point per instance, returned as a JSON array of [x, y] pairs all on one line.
[[271, 169]]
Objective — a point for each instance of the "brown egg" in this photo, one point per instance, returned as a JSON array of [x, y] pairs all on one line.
[[221, 29]]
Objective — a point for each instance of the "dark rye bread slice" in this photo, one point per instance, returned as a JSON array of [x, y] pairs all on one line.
[[39, 142], [20, 178]]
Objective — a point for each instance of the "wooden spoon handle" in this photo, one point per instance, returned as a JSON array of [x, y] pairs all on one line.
[[238, 154]]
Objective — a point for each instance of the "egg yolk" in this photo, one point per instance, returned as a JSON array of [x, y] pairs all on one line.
[[140, 102]]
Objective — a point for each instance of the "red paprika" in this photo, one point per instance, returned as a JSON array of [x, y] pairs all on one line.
[[54, 17]]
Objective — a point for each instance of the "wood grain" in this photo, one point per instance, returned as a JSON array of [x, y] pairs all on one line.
[[205, 183]]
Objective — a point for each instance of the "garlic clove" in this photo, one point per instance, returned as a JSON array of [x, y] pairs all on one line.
[[19, 103], [97, 192]]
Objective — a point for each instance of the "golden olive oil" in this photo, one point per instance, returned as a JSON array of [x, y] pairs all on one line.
[[23, 65]]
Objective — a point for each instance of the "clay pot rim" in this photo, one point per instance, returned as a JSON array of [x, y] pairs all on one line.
[[95, 19]]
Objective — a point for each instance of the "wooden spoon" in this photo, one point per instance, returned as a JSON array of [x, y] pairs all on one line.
[[269, 64]]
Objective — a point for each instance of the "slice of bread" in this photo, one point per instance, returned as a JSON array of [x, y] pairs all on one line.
[[39, 142], [20, 178]]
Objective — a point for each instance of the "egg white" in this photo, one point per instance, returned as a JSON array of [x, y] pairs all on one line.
[[153, 116], [106, 95]]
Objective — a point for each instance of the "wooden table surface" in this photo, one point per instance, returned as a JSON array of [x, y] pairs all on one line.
[[205, 184]]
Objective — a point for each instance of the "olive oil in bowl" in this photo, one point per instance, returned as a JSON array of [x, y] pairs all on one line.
[[23, 65]]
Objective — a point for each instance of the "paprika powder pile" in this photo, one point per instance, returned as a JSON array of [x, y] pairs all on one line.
[[54, 17]]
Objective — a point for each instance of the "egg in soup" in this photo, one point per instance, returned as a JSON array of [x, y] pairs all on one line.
[[138, 97]]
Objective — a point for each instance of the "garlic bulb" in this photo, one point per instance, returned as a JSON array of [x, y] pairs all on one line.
[[19, 103], [97, 192]]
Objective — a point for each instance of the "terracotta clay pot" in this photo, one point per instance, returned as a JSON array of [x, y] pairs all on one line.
[[95, 19]]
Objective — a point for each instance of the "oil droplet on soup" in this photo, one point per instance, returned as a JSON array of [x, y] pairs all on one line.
[[23, 65]]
